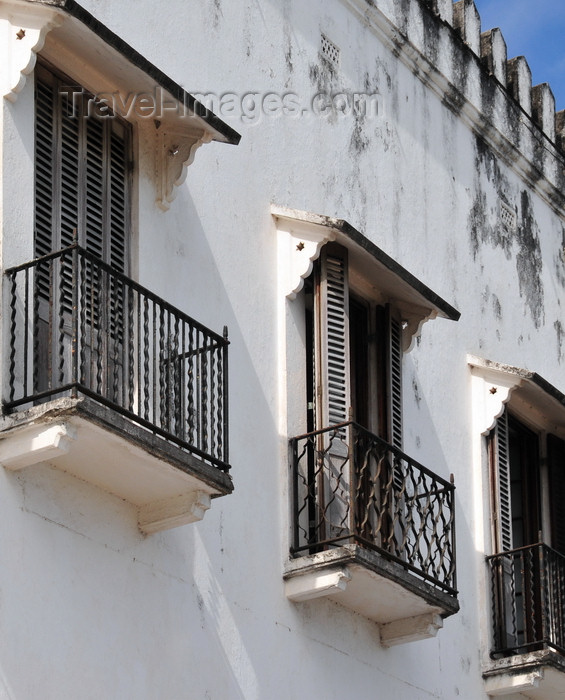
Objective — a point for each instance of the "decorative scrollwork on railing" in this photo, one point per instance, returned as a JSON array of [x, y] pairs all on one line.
[[352, 487], [528, 600]]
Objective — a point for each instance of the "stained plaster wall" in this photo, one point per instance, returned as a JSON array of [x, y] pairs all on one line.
[[89, 607]]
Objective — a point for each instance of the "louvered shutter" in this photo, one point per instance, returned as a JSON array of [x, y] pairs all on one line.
[[503, 506], [504, 579], [395, 378], [118, 187], [82, 175], [94, 194], [333, 337], [333, 486], [45, 139], [556, 463], [81, 194]]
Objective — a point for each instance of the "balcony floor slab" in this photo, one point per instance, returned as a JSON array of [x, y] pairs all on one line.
[[539, 675], [406, 607], [169, 485]]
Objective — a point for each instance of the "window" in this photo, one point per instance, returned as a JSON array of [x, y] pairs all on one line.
[[82, 170], [354, 352], [528, 491], [371, 527], [102, 370], [82, 183]]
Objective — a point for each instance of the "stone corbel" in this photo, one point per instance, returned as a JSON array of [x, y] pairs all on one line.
[[175, 152], [22, 35], [299, 244]]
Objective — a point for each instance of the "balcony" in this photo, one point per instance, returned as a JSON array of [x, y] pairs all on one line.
[[112, 384], [528, 615], [373, 530]]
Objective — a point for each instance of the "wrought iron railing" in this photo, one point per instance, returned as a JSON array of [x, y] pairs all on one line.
[[352, 487], [78, 326], [528, 600]]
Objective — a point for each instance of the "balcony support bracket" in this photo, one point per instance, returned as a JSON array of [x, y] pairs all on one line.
[[172, 512], [510, 683], [410, 629], [35, 444], [317, 584]]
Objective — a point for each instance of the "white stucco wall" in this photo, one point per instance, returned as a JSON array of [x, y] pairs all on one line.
[[89, 608]]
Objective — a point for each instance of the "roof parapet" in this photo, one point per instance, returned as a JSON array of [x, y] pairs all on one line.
[[467, 22], [519, 82], [493, 54]]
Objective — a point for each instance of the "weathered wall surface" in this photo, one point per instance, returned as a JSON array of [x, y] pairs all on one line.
[[88, 607]]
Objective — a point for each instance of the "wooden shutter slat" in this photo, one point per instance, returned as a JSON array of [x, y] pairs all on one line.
[[395, 379], [503, 485], [334, 336]]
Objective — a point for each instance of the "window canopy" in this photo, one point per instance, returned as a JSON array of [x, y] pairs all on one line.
[[302, 235], [73, 40]]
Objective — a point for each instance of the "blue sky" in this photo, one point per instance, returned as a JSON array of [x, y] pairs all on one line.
[[534, 29]]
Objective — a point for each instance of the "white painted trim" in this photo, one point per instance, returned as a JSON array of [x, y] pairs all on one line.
[[174, 153], [36, 444], [173, 512], [301, 237], [410, 629], [22, 35], [317, 584], [509, 683]]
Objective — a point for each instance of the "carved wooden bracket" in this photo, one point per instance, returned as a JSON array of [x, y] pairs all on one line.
[[22, 35], [492, 387], [299, 244], [175, 152]]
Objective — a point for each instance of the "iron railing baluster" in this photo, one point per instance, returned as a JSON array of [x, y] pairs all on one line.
[[537, 572], [114, 341], [353, 487]]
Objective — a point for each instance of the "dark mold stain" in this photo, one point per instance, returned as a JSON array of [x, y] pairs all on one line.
[[358, 141], [322, 75], [416, 390], [496, 307], [217, 12], [488, 229], [560, 333], [431, 36], [529, 261], [482, 228], [560, 260]]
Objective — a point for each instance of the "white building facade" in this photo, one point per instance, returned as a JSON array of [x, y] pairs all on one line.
[[282, 354]]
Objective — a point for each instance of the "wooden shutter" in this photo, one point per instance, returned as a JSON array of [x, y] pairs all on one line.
[[504, 580], [333, 335], [500, 460], [82, 174], [395, 378], [45, 139], [94, 194], [556, 464]]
